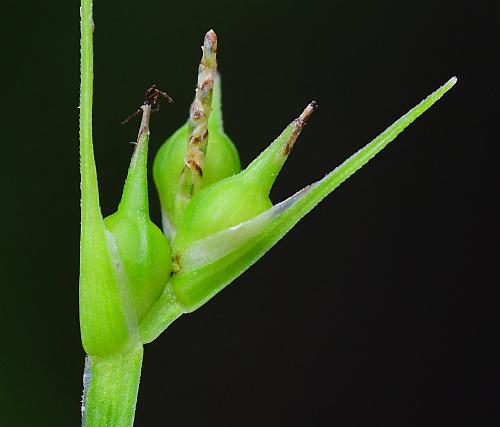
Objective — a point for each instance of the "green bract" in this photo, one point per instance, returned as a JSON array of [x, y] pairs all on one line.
[[218, 221]]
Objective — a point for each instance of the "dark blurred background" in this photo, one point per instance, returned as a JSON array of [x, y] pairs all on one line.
[[376, 310]]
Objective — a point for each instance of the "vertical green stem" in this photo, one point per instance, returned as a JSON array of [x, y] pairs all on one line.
[[110, 389], [90, 193]]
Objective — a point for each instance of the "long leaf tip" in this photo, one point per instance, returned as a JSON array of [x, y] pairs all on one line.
[[448, 85]]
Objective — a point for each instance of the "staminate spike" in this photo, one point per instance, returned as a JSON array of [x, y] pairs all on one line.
[[200, 110]]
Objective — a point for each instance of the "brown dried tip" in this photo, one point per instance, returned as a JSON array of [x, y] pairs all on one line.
[[153, 94], [302, 119], [299, 122], [144, 128], [152, 98], [210, 42]]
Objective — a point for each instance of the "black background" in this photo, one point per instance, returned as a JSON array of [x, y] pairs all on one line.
[[376, 310]]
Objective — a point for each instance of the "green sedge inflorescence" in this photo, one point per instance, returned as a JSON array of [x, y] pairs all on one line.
[[217, 219]]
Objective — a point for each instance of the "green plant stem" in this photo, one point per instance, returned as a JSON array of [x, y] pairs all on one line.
[[111, 378], [110, 389]]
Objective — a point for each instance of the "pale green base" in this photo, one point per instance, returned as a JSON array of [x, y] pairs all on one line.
[[110, 386]]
